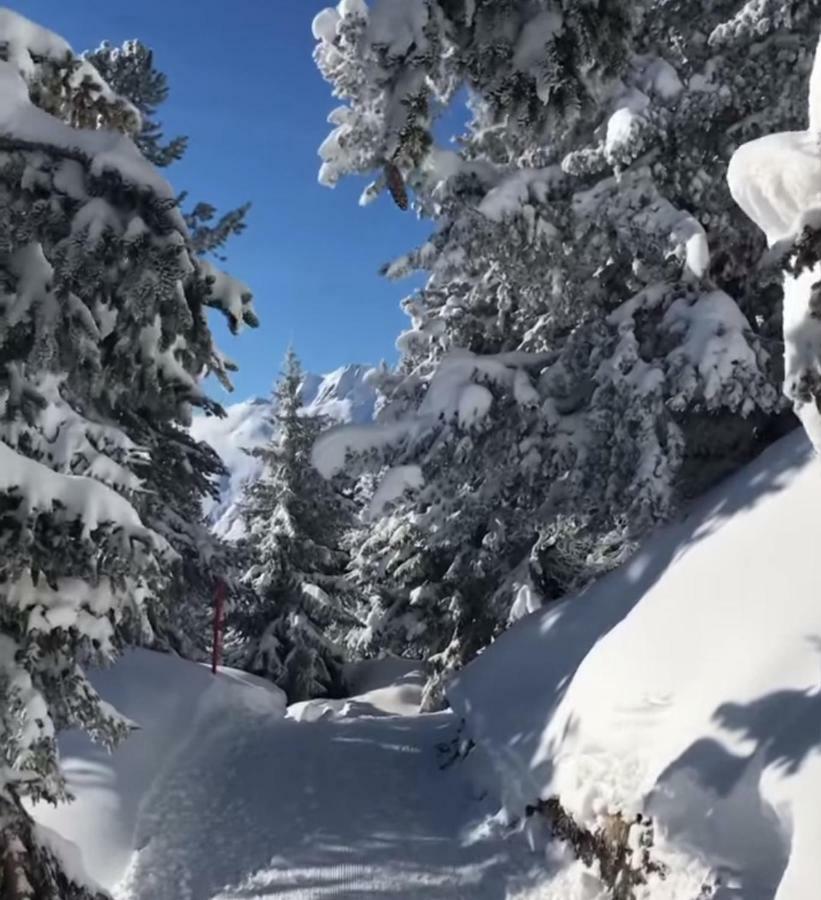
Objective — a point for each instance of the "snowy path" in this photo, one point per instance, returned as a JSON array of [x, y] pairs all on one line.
[[219, 796], [350, 808]]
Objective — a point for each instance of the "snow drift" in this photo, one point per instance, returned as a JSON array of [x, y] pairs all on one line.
[[171, 702], [687, 686]]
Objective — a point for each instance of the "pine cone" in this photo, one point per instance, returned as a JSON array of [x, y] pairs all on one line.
[[396, 185]]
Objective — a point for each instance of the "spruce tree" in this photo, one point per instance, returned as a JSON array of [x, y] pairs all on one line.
[[104, 343], [180, 621], [130, 71], [300, 611], [595, 341]]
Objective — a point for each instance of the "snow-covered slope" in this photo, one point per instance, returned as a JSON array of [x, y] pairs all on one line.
[[686, 685], [341, 396]]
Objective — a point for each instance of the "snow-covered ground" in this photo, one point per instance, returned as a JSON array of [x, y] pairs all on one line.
[[222, 795], [341, 396], [686, 685]]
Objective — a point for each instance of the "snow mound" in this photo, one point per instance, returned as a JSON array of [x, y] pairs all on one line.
[[169, 700], [378, 687], [685, 685]]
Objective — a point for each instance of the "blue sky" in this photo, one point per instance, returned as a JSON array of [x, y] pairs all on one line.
[[245, 90]]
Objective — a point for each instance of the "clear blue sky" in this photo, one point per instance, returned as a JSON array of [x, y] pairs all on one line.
[[245, 90]]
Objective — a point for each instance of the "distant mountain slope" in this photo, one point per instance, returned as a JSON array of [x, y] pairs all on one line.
[[342, 396]]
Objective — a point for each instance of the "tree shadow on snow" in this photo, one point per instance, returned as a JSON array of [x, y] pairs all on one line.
[[711, 798], [543, 661], [350, 809]]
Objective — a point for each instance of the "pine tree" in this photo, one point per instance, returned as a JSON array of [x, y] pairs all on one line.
[[130, 72], [595, 340], [104, 342], [181, 620], [295, 524]]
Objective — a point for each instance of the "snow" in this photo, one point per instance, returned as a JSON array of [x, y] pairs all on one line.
[[512, 191], [395, 483], [526, 601], [245, 426], [233, 294], [106, 150], [474, 405], [168, 699], [399, 25], [684, 686], [802, 347], [219, 796], [378, 687], [523, 391], [324, 25], [775, 179], [20, 36], [67, 855], [651, 212], [79, 497], [452, 394], [352, 8], [815, 94], [620, 128], [625, 122], [331, 450], [538, 32], [712, 331], [664, 80]]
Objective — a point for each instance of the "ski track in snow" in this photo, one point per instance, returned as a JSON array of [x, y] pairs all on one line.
[[263, 807]]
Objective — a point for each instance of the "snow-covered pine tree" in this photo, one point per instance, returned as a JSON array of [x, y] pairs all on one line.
[[295, 523], [104, 342], [130, 71], [593, 328], [180, 620]]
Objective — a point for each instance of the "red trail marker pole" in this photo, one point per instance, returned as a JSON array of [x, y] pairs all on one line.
[[219, 611]]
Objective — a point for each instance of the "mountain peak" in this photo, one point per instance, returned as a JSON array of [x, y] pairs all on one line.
[[343, 395]]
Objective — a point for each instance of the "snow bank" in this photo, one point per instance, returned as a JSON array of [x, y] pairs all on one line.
[[169, 700], [684, 685]]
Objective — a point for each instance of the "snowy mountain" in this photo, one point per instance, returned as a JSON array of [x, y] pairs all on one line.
[[342, 396]]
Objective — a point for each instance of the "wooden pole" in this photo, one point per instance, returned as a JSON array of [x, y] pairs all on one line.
[[219, 611]]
